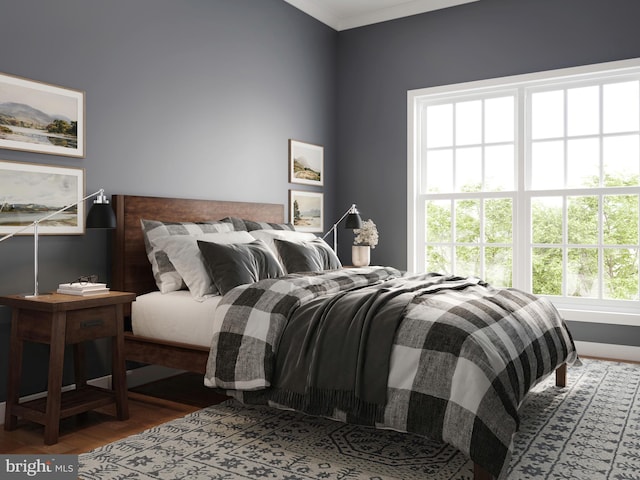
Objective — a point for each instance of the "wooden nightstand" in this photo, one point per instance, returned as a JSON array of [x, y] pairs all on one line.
[[59, 320]]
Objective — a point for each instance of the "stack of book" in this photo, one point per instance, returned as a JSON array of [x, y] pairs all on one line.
[[83, 288]]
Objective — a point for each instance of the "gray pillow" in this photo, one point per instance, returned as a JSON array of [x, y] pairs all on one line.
[[312, 256], [239, 264]]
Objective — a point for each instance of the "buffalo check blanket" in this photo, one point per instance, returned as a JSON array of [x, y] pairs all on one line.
[[462, 359]]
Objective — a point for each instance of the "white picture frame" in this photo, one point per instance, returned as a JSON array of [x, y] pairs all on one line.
[[306, 163], [306, 210], [30, 191], [40, 117]]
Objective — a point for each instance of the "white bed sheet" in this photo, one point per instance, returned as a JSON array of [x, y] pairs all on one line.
[[174, 316]]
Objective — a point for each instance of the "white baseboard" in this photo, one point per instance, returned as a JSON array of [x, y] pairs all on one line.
[[608, 350], [136, 377]]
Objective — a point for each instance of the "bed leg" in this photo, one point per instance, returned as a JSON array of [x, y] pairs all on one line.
[[480, 473], [561, 376]]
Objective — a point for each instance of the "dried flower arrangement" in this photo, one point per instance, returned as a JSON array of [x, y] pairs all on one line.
[[367, 234]]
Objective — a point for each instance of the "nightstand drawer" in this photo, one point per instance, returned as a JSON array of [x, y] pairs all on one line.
[[91, 323]]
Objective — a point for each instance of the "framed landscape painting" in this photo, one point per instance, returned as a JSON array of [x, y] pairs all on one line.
[[306, 210], [30, 191], [43, 118], [306, 163]]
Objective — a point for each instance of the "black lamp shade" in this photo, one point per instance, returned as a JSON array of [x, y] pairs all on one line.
[[353, 221], [101, 216]]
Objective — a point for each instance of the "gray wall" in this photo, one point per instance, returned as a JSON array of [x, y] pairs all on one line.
[[378, 64], [189, 98]]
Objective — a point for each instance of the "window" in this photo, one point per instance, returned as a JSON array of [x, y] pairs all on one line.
[[532, 182], [468, 180]]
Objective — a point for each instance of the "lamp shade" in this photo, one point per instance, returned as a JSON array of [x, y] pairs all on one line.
[[101, 216], [353, 221]]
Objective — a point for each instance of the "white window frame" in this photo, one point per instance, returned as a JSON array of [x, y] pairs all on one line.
[[580, 309]]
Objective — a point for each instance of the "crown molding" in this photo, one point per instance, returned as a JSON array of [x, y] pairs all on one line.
[[324, 12]]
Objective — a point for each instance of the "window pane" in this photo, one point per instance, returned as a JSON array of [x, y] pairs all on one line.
[[582, 272], [620, 107], [547, 114], [621, 160], [546, 219], [439, 126], [438, 259], [583, 163], [621, 273], [499, 120], [469, 123], [438, 221], [439, 171], [583, 220], [467, 261], [620, 219], [498, 168], [547, 271], [547, 165], [498, 220], [467, 221], [469, 169], [498, 266], [583, 111]]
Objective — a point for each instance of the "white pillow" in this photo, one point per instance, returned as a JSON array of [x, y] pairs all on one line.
[[184, 254], [267, 237]]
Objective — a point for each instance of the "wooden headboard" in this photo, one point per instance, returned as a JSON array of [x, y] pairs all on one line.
[[131, 270]]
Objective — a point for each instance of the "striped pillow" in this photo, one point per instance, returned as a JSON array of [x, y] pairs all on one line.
[[249, 225]]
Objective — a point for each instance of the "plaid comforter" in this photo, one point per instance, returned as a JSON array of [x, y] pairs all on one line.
[[462, 360]]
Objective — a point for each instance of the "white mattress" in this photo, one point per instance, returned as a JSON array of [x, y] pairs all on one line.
[[174, 316]]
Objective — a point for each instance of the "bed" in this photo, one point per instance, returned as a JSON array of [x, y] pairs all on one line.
[[131, 271], [225, 369]]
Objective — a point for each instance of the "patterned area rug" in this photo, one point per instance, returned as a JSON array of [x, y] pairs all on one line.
[[590, 431]]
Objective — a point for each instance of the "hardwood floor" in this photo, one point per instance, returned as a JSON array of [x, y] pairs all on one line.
[[90, 430]]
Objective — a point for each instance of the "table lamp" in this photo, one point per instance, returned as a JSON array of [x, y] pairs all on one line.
[[353, 221], [100, 216]]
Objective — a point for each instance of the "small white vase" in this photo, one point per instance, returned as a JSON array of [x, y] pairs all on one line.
[[360, 255]]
